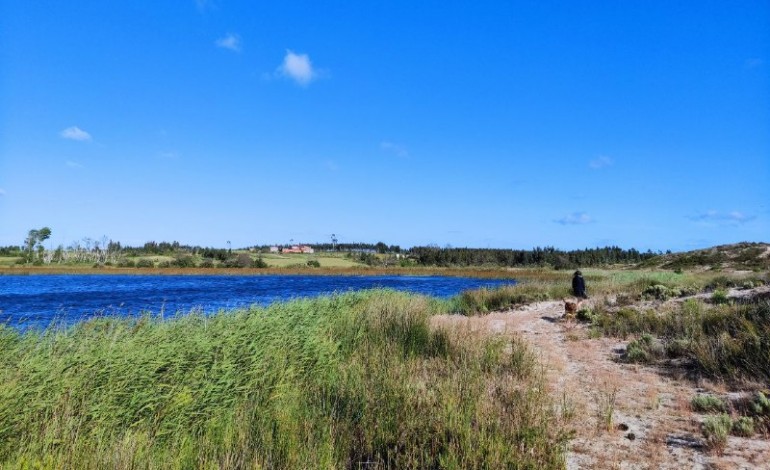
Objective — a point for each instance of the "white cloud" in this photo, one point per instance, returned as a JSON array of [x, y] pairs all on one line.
[[576, 218], [396, 149], [600, 162], [230, 41], [732, 218], [298, 68], [75, 133], [72, 164]]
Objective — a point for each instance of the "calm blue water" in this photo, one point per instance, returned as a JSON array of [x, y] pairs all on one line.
[[36, 301]]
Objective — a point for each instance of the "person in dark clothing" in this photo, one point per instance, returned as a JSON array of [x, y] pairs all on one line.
[[579, 285]]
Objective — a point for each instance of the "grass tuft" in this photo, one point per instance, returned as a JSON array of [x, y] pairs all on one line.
[[716, 429]]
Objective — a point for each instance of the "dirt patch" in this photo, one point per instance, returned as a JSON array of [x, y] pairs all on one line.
[[624, 415]]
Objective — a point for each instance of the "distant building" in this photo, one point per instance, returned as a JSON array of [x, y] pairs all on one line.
[[299, 249], [274, 249]]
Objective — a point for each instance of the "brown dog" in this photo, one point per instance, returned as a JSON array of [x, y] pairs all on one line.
[[571, 307]]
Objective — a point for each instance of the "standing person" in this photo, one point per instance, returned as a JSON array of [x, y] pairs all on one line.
[[579, 285]]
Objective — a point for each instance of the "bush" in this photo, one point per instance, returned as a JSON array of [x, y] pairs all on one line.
[[662, 292], [259, 263], [145, 263], [126, 263], [708, 404], [743, 426], [184, 261], [726, 341], [658, 291], [719, 297], [242, 260], [164, 264], [644, 349], [761, 405], [586, 315], [313, 263], [715, 430], [206, 263]]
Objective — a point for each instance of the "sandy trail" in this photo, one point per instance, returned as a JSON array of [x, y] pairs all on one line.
[[652, 425]]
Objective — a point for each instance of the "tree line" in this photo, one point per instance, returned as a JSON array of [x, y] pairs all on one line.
[[547, 256], [105, 250]]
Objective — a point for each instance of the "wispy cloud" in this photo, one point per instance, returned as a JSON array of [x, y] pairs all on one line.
[[297, 67], [716, 217], [600, 162], [576, 218], [75, 133], [72, 164], [395, 149], [754, 62], [230, 41]]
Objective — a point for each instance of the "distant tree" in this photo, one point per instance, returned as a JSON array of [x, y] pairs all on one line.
[[35, 238], [381, 248]]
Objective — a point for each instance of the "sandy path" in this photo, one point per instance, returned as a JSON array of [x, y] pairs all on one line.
[[652, 425]]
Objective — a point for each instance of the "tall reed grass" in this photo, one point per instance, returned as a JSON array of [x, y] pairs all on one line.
[[349, 381]]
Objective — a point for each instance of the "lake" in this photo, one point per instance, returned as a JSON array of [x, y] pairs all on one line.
[[36, 301]]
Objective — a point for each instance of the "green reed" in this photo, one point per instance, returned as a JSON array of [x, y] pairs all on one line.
[[348, 381]]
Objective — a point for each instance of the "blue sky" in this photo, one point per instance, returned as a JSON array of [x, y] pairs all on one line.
[[483, 124]]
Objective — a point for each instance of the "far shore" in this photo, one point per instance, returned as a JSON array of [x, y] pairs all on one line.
[[362, 271]]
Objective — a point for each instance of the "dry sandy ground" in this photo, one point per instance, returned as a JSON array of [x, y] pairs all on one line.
[[652, 424]]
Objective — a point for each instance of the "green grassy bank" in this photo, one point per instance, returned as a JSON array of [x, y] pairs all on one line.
[[349, 381]]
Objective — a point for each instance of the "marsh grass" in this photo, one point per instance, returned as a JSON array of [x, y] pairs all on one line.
[[348, 381], [481, 301], [729, 342]]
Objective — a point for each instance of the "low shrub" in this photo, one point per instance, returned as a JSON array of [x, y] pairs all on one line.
[[708, 404], [627, 321], [761, 405], [743, 426], [206, 263], [724, 341], [259, 263], [644, 349], [662, 292], [242, 260], [313, 263], [659, 292], [184, 261], [145, 263], [586, 315], [715, 431], [126, 263], [719, 297]]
